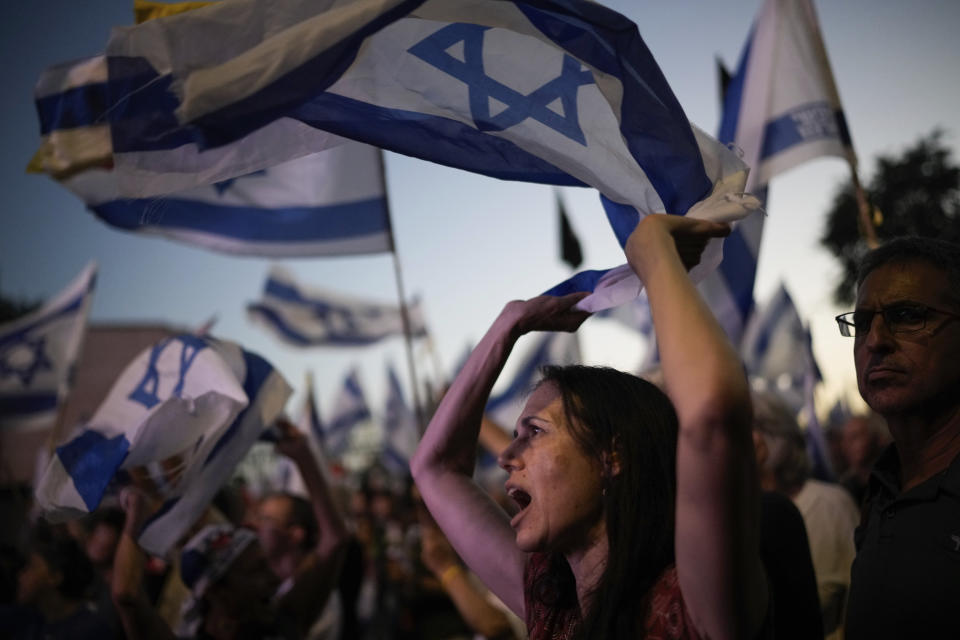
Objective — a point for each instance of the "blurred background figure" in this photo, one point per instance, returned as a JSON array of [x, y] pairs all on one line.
[[485, 614], [829, 514], [53, 598], [862, 439]]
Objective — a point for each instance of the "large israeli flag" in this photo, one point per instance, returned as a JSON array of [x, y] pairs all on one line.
[[780, 109], [551, 91], [327, 203], [175, 423], [307, 316], [38, 352], [400, 426], [349, 409]]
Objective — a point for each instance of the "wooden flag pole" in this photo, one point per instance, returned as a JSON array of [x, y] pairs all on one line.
[[404, 311], [863, 205]]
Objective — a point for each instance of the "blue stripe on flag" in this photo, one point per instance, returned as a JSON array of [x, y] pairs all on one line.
[[404, 131], [583, 281], [91, 460], [26, 403], [68, 308], [304, 224], [622, 218], [77, 107], [258, 370], [739, 269], [278, 323], [809, 122], [346, 420], [142, 107], [654, 121]]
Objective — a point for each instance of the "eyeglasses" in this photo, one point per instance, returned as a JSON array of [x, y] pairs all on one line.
[[899, 318]]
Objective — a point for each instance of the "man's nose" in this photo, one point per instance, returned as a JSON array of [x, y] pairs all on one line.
[[878, 337]]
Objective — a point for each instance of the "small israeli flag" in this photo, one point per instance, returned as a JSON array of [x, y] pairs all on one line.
[[38, 352], [175, 424]]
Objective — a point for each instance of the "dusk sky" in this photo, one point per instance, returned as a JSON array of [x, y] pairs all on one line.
[[469, 243]]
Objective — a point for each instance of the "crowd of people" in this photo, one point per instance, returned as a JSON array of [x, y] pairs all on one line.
[[684, 508]]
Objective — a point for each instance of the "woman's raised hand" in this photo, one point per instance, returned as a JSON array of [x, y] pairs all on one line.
[[546, 313], [689, 237]]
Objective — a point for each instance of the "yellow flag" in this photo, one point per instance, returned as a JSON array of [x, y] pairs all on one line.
[[144, 10], [65, 153]]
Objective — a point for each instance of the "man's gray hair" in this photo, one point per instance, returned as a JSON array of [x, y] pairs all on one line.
[[941, 254]]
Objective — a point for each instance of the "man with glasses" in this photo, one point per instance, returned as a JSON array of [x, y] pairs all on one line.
[[905, 580]]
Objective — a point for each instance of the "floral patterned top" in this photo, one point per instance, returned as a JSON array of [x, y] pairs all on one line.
[[666, 618]]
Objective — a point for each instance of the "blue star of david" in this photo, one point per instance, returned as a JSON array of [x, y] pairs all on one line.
[[482, 87], [223, 185], [38, 360]]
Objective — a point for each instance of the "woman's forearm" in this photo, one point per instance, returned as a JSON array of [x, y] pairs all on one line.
[[450, 440]]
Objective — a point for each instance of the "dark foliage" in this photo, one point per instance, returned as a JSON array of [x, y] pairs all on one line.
[[914, 193]]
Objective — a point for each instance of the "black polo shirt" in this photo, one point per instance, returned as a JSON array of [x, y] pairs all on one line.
[[905, 580]]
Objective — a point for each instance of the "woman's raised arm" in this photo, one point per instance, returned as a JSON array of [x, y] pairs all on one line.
[[443, 464], [717, 536]]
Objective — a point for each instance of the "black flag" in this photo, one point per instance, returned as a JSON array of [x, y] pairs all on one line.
[[569, 244]]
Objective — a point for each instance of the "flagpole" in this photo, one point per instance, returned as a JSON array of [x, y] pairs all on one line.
[[404, 311], [863, 206]]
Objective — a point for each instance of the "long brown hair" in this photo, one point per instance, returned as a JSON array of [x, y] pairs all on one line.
[[615, 414]]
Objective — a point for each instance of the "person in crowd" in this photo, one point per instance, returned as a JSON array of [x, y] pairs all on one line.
[[638, 512], [482, 611], [791, 580], [862, 439], [52, 595], [235, 592], [290, 528], [829, 514], [905, 581], [100, 544]]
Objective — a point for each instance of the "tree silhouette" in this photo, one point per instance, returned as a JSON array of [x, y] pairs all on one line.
[[914, 193], [13, 308]]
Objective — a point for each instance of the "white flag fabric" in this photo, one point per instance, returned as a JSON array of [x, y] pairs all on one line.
[[175, 423], [774, 347], [287, 476], [558, 348], [307, 316], [777, 351], [38, 352], [400, 427], [349, 409], [780, 109], [550, 91], [327, 203]]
